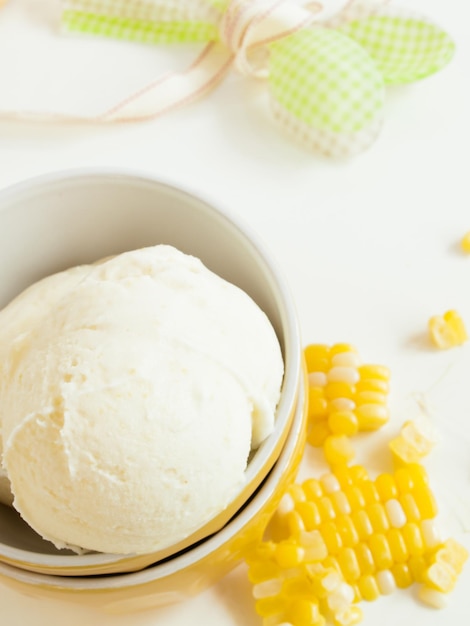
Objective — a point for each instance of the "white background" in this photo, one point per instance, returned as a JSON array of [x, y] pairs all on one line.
[[369, 246]]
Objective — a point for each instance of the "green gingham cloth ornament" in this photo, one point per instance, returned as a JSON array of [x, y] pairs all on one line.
[[326, 74]]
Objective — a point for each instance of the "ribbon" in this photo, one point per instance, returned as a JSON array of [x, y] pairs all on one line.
[[326, 75]]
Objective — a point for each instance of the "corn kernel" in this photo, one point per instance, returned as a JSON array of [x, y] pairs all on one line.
[[386, 487], [373, 384], [341, 503], [348, 617], [347, 530], [339, 390], [349, 564], [402, 575], [331, 537], [313, 546], [259, 571], [447, 331], [340, 598], [341, 404], [355, 498], [329, 483], [432, 597], [303, 612], [317, 405], [368, 587], [343, 423], [310, 514], [381, 553], [317, 357], [465, 243], [297, 493], [288, 554], [342, 374], [270, 606], [340, 348], [347, 358], [365, 559], [370, 397], [312, 488], [410, 507], [426, 503], [318, 434], [317, 379], [327, 580], [395, 513], [418, 566], [397, 545], [295, 523], [374, 371], [267, 588], [403, 451], [362, 524], [430, 533], [413, 539], [343, 474], [297, 587], [358, 474], [441, 577], [338, 450], [404, 480], [452, 554], [385, 582], [378, 517], [326, 509], [372, 416]]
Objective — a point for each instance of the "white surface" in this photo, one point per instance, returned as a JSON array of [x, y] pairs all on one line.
[[370, 248]]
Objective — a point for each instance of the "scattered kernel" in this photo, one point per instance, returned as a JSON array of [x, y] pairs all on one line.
[[448, 330], [465, 243]]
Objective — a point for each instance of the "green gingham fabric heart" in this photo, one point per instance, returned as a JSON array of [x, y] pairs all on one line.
[[326, 76]]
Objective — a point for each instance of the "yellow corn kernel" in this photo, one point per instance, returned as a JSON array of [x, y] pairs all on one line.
[[297, 493], [398, 546], [410, 507], [369, 492], [335, 390], [441, 577], [413, 539], [318, 434], [362, 523], [373, 384], [452, 554], [303, 612], [348, 358], [326, 509], [270, 606], [347, 530], [343, 374], [372, 416], [349, 564], [430, 533], [288, 554], [368, 587], [378, 517], [365, 559], [310, 514], [317, 405], [370, 397], [419, 475], [341, 503], [381, 553], [426, 503], [386, 582], [339, 348], [295, 523], [343, 423], [368, 372], [355, 498], [348, 617], [317, 357], [331, 537], [341, 404], [317, 380], [418, 566], [340, 598], [402, 575], [386, 487], [297, 587], [465, 243], [312, 488], [338, 450], [358, 474], [448, 330], [403, 451], [259, 571], [420, 434], [267, 588], [327, 579], [329, 483], [403, 480]]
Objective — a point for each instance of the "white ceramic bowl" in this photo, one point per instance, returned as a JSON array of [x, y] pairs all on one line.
[[61, 220]]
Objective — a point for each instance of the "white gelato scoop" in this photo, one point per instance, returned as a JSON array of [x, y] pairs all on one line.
[[131, 394]]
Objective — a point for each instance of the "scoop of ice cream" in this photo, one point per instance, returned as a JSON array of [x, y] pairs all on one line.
[[130, 402]]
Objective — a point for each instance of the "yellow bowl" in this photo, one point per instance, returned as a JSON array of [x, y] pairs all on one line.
[[57, 221]]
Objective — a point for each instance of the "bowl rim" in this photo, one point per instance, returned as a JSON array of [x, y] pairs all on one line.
[[279, 289]]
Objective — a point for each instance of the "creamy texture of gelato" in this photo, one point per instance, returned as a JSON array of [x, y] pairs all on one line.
[[131, 394]]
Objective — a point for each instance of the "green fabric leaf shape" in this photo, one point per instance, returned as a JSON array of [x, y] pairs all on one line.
[[326, 80], [406, 48]]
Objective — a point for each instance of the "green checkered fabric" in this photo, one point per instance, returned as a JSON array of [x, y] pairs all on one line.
[[147, 21], [405, 49], [326, 80]]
